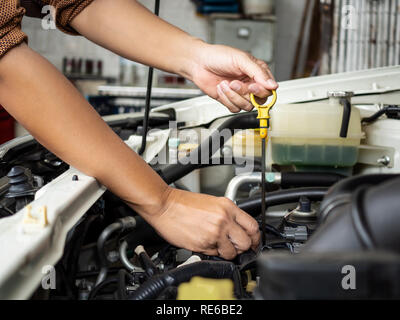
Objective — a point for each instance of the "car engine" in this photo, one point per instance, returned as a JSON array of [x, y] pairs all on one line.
[[332, 202]]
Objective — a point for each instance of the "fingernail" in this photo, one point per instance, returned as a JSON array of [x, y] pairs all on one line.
[[272, 83], [236, 86], [224, 86]]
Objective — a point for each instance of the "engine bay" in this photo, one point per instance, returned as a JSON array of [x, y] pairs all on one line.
[[332, 208]]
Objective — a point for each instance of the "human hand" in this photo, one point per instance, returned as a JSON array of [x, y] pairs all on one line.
[[205, 224], [229, 75]]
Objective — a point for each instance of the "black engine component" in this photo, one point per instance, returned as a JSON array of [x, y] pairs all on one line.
[[367, 218], [339, 275], [21, 187], [358, 234], [21, 184]]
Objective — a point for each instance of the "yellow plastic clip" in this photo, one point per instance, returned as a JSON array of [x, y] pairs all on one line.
[[263, 113], [39, 221]]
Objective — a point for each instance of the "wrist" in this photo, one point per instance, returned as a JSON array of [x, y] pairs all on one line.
[[194, 50], [155, 204]]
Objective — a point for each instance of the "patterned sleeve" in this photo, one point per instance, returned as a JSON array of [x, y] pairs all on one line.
[[11, 14], [66, 10]]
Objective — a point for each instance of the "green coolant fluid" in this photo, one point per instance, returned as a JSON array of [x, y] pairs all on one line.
[[315, 155]]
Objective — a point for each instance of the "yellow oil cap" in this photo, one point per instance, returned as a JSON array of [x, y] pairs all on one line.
[[206, 289]]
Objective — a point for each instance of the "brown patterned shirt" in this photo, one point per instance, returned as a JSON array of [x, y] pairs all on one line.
[[12, 11]]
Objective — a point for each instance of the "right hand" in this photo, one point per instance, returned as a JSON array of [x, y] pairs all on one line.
[[230, 75], [205, 224]]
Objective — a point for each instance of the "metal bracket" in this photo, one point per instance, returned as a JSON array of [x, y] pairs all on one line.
[[376, 156]]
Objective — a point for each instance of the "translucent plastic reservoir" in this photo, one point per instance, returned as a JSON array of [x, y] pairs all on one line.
[[309, 135]]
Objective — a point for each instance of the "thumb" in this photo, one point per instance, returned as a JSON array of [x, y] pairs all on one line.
[[259, 72]]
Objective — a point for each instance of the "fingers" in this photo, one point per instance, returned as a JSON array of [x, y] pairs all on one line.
[[266, 68], [236, 94], [243, 231], [225, 100], [226, 249], [250, 225], [239, 238], [259, 72], [259, 91], [235, 98]]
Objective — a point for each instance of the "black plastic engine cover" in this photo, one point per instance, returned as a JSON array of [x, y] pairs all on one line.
[[353, 275]]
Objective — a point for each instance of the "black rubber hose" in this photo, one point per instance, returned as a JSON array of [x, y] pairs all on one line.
[[201, 156], [146, 263], [346, 117], [120, 225], [253, 205], [152, 288], [144, 235], [148, 95], [309, 179], [101, 243]]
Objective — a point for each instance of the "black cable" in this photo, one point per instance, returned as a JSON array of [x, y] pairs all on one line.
[[271, 229], [148, 95], [391, 111]]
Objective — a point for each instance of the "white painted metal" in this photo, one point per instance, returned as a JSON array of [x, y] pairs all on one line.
[[23, 253]]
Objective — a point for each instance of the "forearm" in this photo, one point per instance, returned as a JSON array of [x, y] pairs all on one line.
[[130, 30], [54, 112]]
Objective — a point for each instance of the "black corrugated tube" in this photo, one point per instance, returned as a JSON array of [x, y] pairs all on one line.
[[152, 288]]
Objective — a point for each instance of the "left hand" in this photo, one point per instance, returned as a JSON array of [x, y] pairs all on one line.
[[229, 75]]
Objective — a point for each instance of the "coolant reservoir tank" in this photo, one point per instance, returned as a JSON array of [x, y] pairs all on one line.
[[309, 134]]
